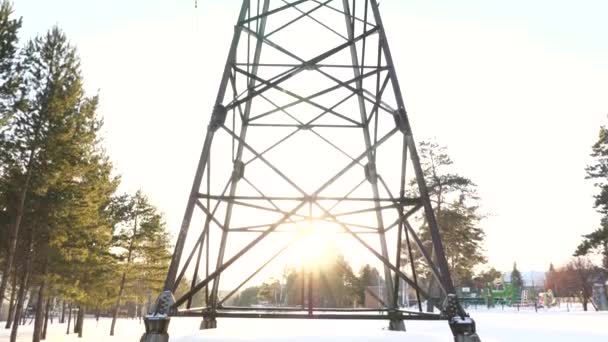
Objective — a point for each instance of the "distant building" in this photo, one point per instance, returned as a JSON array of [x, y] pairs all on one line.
[[407, 296], [372, 296]]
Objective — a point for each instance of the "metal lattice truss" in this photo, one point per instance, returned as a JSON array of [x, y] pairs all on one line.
[[309, 127]]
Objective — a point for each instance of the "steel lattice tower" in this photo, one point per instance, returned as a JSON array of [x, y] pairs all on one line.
[[309, 128]]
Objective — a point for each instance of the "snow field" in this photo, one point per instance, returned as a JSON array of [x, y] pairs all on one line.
[[492, 325]]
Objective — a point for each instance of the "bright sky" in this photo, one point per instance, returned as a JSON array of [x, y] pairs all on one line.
[[516, 89]]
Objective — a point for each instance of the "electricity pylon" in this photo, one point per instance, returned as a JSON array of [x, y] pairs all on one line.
[[309, 129]]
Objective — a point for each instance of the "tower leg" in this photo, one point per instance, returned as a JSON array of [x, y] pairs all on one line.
[[396, 325], [157, 321], [156, 328], [464, 330], [462, 326], [208, 322]]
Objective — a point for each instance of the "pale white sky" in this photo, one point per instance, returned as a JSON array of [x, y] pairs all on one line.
[[517, 91]]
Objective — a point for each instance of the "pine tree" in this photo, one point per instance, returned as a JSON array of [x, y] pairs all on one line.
[[154, 259], [9, 86], [338, 285], [82, 264], [248, 296], [455, 205], [142, 245], [597, 241], [368, 276], [9, 80], [269, 292], [61, 180], [334, 283], [516, 278], [184, 286]]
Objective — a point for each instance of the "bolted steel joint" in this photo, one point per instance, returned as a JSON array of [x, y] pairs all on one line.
[[163, 304], [309, 66], [370, 173], [400, 117], [218, 117], [451, 306], [239, 171]]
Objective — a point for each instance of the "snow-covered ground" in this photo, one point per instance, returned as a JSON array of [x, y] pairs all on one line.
[[494, 325]]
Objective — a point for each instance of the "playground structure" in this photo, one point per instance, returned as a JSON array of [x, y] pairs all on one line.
[[501, 293], [309, 136]]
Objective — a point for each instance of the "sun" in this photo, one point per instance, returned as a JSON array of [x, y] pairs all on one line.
[[315, 240]]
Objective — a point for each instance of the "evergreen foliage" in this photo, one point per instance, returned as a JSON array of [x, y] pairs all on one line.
[[198, 299], [455, 205], [9, 86], [334, 285], [9, 82], [368, 276], [247, 297], [516, 278], [489, 275], [141, 247], [67, 233], [597, 241]]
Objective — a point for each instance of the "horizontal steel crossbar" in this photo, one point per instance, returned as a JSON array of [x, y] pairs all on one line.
[[338, 316]]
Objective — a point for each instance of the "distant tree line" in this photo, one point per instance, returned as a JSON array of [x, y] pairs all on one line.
[[334, 285], [69, 239]]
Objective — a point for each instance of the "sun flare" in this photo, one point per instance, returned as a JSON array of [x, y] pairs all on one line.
[[315, 241]]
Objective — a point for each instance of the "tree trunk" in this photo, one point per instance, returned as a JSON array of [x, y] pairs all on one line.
[[22, 289], [584, 303], [67, 332], [117, 307], [19, 307], [124, 277], [46, 318], [29, 301], [39, 312], [11, 307], [14, 235], [62, 320], [434, 291], [80, 320], [76, 318]]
